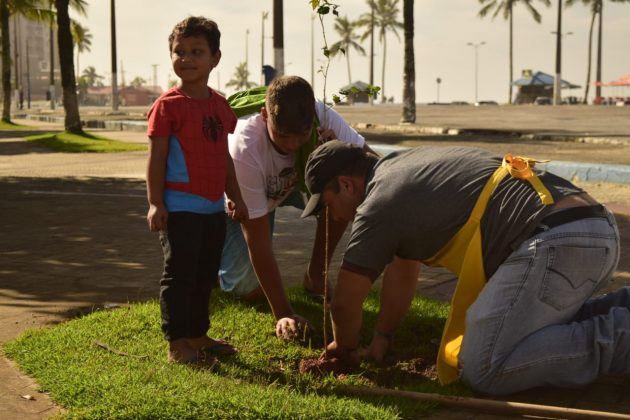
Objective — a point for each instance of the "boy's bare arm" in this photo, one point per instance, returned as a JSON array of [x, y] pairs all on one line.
[[236, 205], [257, 233], [156, 175]]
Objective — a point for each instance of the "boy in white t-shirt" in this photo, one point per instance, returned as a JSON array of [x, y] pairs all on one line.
[[264, 148]]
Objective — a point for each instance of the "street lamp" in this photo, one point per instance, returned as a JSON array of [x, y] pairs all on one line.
[[476, 46], [557, 81], [438, 81]]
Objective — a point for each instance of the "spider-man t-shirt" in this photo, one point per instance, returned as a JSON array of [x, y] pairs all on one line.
[[196, 166]]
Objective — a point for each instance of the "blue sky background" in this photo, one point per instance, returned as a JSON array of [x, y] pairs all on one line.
[[442, 30]]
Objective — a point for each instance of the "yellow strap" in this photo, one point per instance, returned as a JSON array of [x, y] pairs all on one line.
[[522, 168]]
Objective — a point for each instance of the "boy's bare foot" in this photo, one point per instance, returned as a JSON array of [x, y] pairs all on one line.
[[179, 351], [211, 346]]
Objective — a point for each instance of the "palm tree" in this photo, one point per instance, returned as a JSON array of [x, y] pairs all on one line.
[[385, 15], [82, 39], [348, 41], [30, 9], [506, 7], [596, 10], [92, 78], [409, 76], [72, 122], [239, 80], [138, 82]]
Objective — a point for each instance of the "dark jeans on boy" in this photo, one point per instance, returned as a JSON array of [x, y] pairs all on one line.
[[192, 247]]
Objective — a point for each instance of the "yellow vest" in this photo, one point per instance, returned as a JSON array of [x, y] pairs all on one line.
[[463, 256]]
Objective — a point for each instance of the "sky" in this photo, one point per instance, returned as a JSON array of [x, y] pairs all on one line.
[[443, 29]]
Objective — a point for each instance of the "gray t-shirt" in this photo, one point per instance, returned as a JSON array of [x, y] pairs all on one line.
[[418, 199]]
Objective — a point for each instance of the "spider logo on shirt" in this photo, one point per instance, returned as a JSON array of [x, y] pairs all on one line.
[[212, 128]]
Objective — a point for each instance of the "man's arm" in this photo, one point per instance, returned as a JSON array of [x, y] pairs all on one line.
[[257, 233], [399, 287], [347, 310]]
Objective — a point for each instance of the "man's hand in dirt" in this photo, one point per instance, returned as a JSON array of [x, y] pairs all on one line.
[[237, 210], [378, 348], [345, 354], [290, 328], [157, 217]]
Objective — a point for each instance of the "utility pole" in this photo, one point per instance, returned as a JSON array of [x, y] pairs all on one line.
[[51, 87], [313, 51], [557, 95], [262, 47], [247, 51], [155, 83], [372, 51], [114, 70], [16, 54], [28, 77], [278, 37]]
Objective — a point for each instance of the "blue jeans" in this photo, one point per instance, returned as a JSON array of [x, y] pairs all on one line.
[[236, 273], [534, 323]]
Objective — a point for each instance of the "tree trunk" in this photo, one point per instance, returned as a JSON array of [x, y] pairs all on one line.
[[511, 56], [383, 97], [590, 59], [409, 75], [66, 64], [6, 62], [348, 63], [598, 77]]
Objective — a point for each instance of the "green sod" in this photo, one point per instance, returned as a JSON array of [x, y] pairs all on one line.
[[262, 381], [87, 143], [12, 126]]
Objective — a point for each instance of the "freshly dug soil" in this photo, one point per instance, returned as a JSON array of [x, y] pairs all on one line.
[[323, 365]]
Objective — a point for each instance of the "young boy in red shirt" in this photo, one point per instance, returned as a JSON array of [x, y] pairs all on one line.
[[189, 170]]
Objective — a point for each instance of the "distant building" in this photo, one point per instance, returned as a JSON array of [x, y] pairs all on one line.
[[30, 60], [128, 95], [539, 85]]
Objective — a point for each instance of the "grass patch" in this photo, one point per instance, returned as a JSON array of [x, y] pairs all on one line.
[[86, 143], [262, 381], [12, 126]]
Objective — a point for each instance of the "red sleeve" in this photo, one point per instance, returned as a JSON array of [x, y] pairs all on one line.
[[160, 120]]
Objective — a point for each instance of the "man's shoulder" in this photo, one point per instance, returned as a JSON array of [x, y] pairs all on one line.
[[249, 131]]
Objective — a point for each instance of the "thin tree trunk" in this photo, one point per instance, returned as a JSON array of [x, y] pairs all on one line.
[[384, 98], [598, 87], [348, 62], [409, 74], [511, 56], [590, 59], [66, 64], [6, 62]]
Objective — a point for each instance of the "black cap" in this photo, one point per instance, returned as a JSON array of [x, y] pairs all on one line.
[[324, 164]]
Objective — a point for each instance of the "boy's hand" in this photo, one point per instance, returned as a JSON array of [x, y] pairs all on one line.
[[157, 217], [237, 210], [324, 135], [292, 327]]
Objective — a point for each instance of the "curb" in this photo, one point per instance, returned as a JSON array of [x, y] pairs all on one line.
[[593, 172]]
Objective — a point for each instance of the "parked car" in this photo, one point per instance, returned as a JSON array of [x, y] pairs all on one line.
[[484, 103]]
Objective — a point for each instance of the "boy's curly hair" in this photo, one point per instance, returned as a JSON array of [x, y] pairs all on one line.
[[290, 103], [197, 26]]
